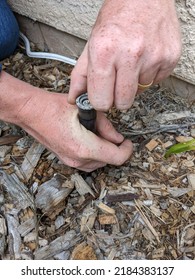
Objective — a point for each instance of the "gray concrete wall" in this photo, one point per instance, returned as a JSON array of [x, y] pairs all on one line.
[[78, 17]]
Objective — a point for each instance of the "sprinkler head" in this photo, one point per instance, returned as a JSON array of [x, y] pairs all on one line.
[[87, 114]]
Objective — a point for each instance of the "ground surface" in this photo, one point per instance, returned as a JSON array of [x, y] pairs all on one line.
[[144, 209]]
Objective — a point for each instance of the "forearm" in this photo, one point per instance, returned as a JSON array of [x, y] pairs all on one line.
[[14, 96]]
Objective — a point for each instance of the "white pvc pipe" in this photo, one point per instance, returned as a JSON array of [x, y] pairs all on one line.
[[46, 55]]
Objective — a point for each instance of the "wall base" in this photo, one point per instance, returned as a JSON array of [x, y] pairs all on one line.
[[47, 38], [180, 87]]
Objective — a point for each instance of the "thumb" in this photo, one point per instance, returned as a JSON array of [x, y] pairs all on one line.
[[107, 130]]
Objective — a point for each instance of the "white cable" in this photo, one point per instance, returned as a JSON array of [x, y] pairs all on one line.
[[47, 55]]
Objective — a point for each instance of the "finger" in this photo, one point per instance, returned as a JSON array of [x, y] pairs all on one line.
[[100, 86], [118, 154], [96, 152], [125, 88], [147, 80], [147, 76], [91, 166], [108, 152], [163, 74], [84, 165], [106, 129], [78, 82], [100, 77]]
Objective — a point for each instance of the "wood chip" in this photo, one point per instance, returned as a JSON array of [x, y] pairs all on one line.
[[190, 234], [106, 208], [51, 194], [88, 219], [182, 139], [4, 150], [17, 190], [3, 233], [193, 209], [31, 159], [144, 184], [15, 242], [152, 145], [147, 222], [57, 246], [112, 254], [27, 226], [148, 235], [119, 197], [177, 192], [81, 186], [9, 139], [158, 253], [83, 252], [105, 219], [167, 144], [191, 180]]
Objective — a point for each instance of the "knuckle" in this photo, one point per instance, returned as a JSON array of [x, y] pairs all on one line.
[[103, 48], [157, 56], [137, 48]]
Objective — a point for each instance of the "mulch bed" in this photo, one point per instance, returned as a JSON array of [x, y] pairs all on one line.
[[144, 209]]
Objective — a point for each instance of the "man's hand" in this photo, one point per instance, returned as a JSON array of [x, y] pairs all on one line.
[[56, 126], [132, 42], [53, 122]]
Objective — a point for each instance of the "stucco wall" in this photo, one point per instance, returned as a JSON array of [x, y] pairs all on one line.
[[186, 65], [74, 17], [77, 18]]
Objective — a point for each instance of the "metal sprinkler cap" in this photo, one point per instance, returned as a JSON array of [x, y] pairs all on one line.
[[83, 103], [87, 114]]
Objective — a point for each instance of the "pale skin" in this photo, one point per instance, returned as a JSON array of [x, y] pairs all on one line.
[[132, 41], [53, 122]]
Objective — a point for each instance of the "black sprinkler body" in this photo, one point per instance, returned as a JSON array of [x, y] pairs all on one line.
[[87, 114]]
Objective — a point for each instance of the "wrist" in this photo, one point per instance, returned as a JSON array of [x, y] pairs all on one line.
[[14, 95]]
